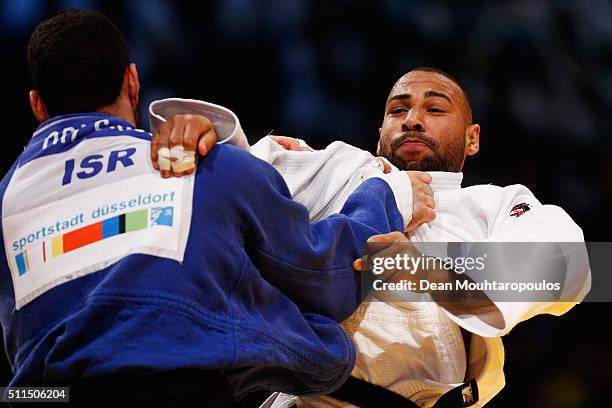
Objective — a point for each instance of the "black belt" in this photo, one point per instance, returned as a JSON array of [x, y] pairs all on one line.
[[365, 395]]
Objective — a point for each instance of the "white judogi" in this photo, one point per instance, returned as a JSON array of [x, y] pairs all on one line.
[[415, 348]]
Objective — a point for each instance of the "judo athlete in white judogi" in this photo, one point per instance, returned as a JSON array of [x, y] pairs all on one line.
[[416, 349]]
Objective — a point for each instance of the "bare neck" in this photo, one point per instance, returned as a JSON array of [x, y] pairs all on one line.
[[121, 110]]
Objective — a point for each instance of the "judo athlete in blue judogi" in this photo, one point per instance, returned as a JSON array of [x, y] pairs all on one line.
[[110, 272]]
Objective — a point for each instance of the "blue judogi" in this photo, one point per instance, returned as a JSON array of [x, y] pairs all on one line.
[[258, 292]]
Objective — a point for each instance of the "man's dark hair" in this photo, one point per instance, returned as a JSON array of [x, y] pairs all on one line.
[[77, 60], [468, 107]]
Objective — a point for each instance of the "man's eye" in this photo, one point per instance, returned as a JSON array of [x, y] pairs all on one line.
[[435, 110], [397, 110]]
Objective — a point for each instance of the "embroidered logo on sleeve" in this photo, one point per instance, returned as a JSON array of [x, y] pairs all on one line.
[[519, 210]]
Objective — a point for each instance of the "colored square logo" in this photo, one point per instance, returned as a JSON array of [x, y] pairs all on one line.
[[136, 220], [110, 227], [162, 216], [22, 263]]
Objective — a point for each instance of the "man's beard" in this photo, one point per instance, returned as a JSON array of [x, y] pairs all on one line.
[[445, 158]]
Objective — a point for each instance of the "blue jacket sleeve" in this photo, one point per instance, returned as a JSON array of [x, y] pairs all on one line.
[[310, 263]]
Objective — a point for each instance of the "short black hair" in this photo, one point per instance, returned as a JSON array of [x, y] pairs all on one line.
[[468, 107], [77, 60]]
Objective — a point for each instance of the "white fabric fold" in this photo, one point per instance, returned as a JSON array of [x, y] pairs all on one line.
[[225, 122]]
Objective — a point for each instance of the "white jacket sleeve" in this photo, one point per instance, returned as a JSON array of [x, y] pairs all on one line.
[[225, 122], [322, 180], [520, 217]]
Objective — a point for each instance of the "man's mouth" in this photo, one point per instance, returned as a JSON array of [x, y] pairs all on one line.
[[412, 144], [411, 141]]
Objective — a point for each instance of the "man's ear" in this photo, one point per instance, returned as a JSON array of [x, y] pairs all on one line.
[[38, 106], [378, 145], [133, 85], [472, 139]]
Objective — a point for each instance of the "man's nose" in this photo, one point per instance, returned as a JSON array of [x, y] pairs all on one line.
[[413, 121]]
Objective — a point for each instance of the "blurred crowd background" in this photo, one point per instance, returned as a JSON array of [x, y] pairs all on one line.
[[539, 75]]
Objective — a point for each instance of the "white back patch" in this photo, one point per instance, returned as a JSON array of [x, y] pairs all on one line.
[[128, 210]]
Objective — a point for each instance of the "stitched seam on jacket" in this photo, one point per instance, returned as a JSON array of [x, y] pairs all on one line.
[[196, 313], [232, 311], [187, 309]]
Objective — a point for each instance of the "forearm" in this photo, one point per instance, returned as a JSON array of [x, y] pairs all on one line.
[[312, 264], [455, 300], [447, 288]]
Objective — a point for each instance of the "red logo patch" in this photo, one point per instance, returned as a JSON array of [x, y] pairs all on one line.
[[519, 209]]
